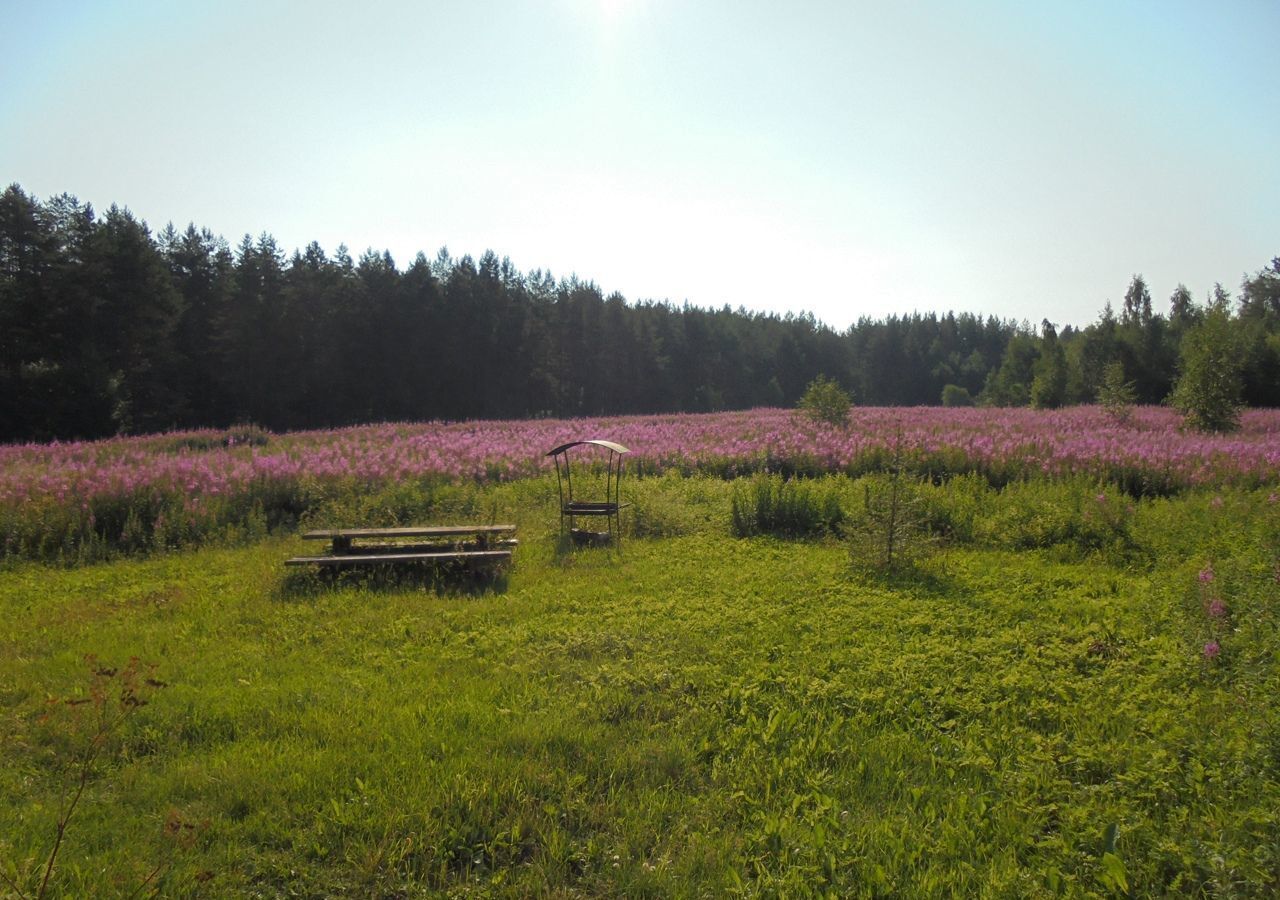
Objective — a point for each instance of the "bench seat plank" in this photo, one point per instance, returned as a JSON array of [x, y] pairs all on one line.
[[374, 558], [580, 508]]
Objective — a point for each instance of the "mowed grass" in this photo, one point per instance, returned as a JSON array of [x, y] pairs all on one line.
[[697, 715]]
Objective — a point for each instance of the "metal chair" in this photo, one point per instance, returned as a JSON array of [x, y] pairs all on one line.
[[572, 508]]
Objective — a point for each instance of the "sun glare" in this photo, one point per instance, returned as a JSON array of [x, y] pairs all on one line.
[[612, 11]]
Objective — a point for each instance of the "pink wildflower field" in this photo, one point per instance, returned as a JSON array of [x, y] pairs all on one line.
[[1005, 443], [169, 475]]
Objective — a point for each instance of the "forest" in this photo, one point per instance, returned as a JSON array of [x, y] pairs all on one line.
[[107, 328]]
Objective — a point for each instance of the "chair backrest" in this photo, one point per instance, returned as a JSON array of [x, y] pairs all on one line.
[[613, 471]]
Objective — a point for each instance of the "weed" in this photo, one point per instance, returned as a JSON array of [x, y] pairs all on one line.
[[82, 731]]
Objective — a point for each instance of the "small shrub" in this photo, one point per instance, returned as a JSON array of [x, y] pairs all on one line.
[[1077, 515], [951, 510], [890, 535], [246, 435], [825, 401], [194, 443], [1116, 395], [954, 395]]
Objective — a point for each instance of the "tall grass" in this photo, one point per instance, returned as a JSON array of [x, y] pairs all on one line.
[[796, 507]]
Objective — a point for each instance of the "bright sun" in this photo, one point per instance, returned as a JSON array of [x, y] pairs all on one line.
[[612, 10]]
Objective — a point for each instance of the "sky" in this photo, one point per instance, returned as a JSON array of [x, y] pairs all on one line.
[[847, 159]]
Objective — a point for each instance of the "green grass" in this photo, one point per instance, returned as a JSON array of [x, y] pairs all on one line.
[[698, 715]]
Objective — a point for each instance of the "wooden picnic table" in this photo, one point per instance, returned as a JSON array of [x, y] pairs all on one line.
[[394, 546]]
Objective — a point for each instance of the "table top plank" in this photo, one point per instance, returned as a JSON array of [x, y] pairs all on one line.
[[328, 534]]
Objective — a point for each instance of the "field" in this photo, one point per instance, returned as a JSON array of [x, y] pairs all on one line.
[[1067, 691], [85, 501]]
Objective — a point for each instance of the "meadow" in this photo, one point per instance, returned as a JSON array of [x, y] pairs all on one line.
[[1068, 692], [82, 501]]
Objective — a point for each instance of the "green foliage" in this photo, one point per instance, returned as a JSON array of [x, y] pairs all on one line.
[[1208, 389], [955, 395], [796, 507], [84, 734], [671, 505], [1049, 384], [1076, 516], [1010, 384], [247, 435], [1116, 395], [888, 535], [825, 401]]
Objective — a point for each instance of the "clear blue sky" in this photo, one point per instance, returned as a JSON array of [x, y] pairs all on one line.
[[847, 158]]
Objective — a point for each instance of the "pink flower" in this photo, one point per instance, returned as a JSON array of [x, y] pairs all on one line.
[[1101, 498], [1216, 608], [1211, 650], [1206, 574], [1216, 503]]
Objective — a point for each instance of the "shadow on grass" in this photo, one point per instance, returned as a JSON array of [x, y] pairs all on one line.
[[914, 580], [574, 548], [443, 580]]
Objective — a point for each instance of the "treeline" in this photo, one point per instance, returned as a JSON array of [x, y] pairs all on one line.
[[106, 328]]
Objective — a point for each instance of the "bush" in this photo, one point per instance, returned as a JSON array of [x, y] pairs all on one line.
[[1116, 395], [825, 401], [890, 535], [1209, 388], [955, 395], [246, 434]]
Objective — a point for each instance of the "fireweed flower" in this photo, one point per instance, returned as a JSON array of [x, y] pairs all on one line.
[[1079, 441], [1216, 608], [1206, 574], [1211, 650]]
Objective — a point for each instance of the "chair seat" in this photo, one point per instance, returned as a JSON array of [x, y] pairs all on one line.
[[584, 508]]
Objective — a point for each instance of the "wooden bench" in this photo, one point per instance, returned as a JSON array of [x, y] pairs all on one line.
[[471, 544]]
